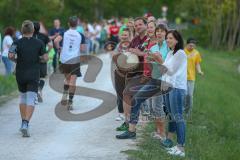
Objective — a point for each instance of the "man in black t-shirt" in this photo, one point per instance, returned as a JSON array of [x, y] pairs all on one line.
[[53, 34], [43, 66], [27, 52]]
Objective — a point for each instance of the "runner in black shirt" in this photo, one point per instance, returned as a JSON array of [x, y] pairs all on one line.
[[27, 52], [43, 66]]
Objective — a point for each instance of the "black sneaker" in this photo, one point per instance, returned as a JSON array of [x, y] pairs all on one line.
[[127, 135]]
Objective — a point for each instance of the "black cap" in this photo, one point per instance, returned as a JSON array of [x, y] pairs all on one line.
[[191, 40]]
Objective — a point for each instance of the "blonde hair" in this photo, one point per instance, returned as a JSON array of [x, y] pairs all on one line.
[[27, 27]]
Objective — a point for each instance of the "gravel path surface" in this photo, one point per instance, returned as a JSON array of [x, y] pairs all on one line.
[[54, 139]]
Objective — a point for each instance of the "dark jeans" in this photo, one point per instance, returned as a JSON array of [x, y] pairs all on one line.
[[148, 90]]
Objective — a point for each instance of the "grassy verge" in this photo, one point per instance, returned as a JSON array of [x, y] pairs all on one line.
[[214, 131], [8, 88]]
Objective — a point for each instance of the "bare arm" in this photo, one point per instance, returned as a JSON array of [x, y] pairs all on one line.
[[12, 53], [44, 58], [83, 47], [50, 46], [11, 56], [198, 68], [57, 41], [155, 57]]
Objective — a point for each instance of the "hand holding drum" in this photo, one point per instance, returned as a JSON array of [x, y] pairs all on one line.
[[155, 57], [127, 61]]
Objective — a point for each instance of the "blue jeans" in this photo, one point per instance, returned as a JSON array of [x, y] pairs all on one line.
[[150, 89], [8, 65], [175, 105]]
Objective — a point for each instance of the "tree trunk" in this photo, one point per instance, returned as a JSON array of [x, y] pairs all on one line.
[[234, 28], [226, 30], [217, 31], [61, 2], [235, 33], [96, 9]]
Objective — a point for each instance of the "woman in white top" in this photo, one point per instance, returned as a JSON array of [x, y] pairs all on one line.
[[7, 42], [176, 76]]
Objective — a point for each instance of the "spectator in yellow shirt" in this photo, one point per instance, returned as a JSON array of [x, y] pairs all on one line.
[[194, 60]]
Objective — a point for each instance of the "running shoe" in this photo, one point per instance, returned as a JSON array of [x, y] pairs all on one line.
[[120, 117], [64, 100], [156, 135], [40, 99], [175, 151], [25, 130], [70, 105], [127, 135], [36, 101]]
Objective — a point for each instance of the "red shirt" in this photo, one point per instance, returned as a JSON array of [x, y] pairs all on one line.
[[114, 30], [147, 69]]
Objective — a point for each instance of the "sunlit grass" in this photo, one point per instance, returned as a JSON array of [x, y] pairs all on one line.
[[215, 129]]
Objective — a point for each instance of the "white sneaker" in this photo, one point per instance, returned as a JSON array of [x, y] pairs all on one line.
[[175, 151], [36, 101], [155, 135], [120, 117], [145, 113], [171, 149]]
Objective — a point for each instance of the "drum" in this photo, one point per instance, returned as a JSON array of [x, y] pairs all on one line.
[[123, 46], [127, 61]]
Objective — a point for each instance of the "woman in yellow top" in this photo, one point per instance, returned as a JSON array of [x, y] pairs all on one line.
[[193, 65]]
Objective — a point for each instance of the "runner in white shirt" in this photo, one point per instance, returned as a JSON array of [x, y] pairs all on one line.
[[73, 44]]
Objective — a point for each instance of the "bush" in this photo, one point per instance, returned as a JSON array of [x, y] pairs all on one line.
[[8, 84]]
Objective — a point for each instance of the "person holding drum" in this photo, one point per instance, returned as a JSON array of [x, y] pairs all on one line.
[[133, 69], [141, 79], [151, 46], [119, 78]]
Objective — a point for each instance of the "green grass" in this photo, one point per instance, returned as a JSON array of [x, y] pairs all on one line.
[[214, 133], [8, 87]]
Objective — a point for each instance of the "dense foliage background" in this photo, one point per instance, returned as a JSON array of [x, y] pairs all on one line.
[[214, 23]]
